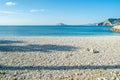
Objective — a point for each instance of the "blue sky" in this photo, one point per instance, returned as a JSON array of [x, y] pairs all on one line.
[[49, 12]]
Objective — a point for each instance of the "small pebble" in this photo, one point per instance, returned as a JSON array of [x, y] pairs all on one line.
[[102, 79]]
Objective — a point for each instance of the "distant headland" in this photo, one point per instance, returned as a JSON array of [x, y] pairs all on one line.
[[110, 22]]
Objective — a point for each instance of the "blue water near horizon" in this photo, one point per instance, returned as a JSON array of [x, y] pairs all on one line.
[[31, 31]]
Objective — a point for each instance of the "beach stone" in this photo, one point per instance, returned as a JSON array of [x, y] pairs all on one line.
[[92, 50], [88, 49], [102, 78], [95, 51], [114, 78]]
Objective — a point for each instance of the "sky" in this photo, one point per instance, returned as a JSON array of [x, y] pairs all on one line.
[[51, 12]]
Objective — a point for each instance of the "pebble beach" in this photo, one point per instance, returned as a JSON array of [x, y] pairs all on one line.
[[60, 58]]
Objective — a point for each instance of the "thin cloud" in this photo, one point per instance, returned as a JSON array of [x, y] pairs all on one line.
[[8, 12], [42, 10], [10, 3], [19, 12], [37, 10]]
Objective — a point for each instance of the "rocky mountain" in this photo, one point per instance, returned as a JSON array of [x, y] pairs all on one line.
[[110, 22]]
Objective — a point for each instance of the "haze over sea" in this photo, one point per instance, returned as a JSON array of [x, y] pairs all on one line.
[[23, 31]]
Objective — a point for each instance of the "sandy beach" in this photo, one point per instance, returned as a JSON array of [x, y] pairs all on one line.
[[60, 58]]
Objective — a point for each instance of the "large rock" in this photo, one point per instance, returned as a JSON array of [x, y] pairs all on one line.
[[110, 22], [116, 28]]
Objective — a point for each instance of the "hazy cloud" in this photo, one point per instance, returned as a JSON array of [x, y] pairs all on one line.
[[10, 3], [37, 10], [8, 12]]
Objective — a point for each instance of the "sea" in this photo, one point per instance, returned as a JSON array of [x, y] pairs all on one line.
[[53, 30]]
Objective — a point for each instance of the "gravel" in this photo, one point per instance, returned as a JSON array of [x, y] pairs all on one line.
[[60, 58]]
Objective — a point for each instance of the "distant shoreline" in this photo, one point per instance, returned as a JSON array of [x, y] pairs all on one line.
[[47, 25]]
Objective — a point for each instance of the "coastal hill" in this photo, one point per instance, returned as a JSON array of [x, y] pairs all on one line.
[[110, 22]]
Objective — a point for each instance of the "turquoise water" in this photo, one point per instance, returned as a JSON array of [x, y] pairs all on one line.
[[21, 31]]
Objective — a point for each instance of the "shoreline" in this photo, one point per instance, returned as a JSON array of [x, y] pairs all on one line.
[[58, 36]]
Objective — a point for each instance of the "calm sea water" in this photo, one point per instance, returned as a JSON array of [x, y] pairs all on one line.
[[21, 31]]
